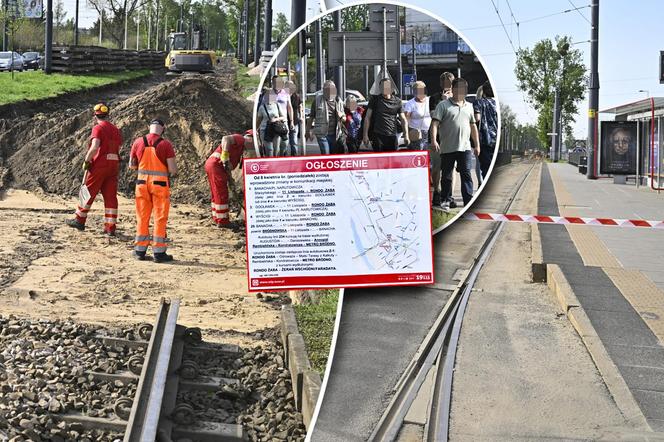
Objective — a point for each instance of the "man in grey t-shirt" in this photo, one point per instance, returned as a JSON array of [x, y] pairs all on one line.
[[452, 127]]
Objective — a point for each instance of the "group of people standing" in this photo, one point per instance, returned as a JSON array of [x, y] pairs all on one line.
[[152, 156], [453, 128]]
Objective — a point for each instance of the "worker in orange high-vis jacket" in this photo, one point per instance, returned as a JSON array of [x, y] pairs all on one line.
[[219, 166], [154, 158], [101, 164]]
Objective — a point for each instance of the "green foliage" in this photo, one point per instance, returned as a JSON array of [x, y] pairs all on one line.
[[439, 218], [316, 324], [37, 85], [550, 64], [280, 29]]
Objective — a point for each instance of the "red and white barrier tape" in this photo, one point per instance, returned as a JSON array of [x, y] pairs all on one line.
[[609, 222]]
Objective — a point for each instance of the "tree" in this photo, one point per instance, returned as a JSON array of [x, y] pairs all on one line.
[[281, 29], [550, 64], [354, 18], [116, 12]]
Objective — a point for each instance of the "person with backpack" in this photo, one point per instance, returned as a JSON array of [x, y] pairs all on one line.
[[326, 119]]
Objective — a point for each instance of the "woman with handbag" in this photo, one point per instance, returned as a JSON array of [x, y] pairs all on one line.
[[273, 126]]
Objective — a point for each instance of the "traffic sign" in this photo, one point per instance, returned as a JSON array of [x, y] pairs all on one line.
[[409, 79], [362, 48], [376, 17]]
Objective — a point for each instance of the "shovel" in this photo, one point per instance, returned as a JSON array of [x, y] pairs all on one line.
[[84, 192]]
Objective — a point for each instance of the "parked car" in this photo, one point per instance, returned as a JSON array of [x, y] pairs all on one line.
[[11, 60], [31, 60]]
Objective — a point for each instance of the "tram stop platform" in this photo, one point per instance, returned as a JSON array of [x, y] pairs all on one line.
[[615, 273]]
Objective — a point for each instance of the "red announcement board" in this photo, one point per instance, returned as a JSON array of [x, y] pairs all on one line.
[[338, 221]]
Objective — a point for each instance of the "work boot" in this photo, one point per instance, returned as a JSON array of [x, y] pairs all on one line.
[[162, 257], [75, 224], [453, 204], [109, 232], [223, 225], [140, 256]]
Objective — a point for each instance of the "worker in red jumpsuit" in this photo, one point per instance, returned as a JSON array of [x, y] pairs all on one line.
[[101, 164], [154, 159], [219, 166]]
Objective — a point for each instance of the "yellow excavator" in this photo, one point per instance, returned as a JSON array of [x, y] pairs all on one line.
[[188, 55]]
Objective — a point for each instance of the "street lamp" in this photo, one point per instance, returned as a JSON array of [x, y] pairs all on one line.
[[647, 92]]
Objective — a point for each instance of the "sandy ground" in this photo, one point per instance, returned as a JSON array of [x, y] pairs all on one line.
[[49, 270], [522, 372]]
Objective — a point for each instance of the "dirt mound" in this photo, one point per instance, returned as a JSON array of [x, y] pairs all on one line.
[[46, 151]]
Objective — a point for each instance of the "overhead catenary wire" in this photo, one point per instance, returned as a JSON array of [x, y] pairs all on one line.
[[579, 11]]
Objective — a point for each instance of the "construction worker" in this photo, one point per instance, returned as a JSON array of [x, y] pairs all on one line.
[[100, 167], [154, 158], [218, 167]]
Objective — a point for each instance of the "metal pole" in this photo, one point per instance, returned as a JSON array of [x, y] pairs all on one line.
[[366, 81], [245, 33], [156, 27], [554, 127], [165, 33], [257, 34], [76, 25], [238, 51], [138, 30], [267, 34], [398, 24], [150, 31], [101, 21], [340, 71], [320, 70], [5, 28], [48, 44], [385, 42], [126, 23], [593, 95], [303, 86], [343, 61], [414, 58], [638, 153]]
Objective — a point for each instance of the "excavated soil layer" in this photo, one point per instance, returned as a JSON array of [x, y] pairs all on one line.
[[45, 152]]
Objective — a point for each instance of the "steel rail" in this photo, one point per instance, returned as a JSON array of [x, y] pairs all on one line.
[[437, 427], [146, 409], [444, 330]]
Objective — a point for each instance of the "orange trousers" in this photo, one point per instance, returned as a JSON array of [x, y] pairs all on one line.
[[153, 198]]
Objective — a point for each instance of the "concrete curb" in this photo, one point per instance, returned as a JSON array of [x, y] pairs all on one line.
[[306, 382], [615, 383], [538, 268]]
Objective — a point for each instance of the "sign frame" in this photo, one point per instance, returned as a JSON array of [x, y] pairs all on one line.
[[290, 279], [362, 48]]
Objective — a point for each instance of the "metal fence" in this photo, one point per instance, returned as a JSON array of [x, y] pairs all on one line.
[[82, 59]]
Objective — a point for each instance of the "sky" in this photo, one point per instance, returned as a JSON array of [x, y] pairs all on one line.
[[631, 36]]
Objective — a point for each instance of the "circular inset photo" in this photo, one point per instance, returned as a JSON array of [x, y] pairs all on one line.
[[381, 78]]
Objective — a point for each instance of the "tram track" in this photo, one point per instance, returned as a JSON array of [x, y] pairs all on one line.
[[438, 351]]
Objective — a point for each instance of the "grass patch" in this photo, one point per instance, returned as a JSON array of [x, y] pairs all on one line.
[[439, 218], [36, 85], [247, 84], [316, 323]]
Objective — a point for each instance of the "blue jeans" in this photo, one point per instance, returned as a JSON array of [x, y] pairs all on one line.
[[292, 138], [325, 143], [464, 162]]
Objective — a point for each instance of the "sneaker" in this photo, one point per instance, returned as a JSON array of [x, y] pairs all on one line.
[[140, 256], [162, 257], [452, 204], [445, 207], [75, 224]]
